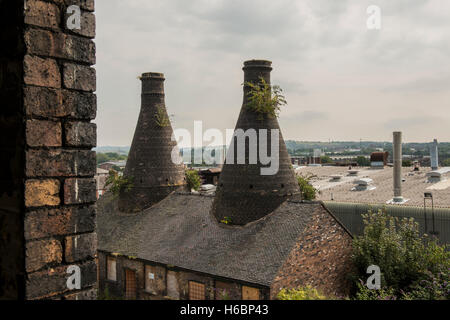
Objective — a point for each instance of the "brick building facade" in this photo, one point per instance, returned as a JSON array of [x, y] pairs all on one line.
[[47, 190]]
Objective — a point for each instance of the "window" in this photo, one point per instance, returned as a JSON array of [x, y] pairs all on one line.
[[130, 284], [172, 285], [150, 280], [249, 293], [111, 273], [223, 290], [196, 291]]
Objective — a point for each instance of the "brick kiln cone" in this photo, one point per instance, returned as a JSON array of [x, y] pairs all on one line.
[[149, 163], [243, 194]]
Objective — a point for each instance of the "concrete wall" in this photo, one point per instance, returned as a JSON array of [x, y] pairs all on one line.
[[47, 190], [163, 277]]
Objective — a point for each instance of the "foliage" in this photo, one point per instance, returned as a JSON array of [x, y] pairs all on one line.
[[193, 179], [406, 163], [365, 293], [161, 117], [405, 258], [265, 99], [226, 220], [431, 287], [109, 156], [305, 293], [105, 295], [363, 161], [307, 190], [325, 159], [118, 183]]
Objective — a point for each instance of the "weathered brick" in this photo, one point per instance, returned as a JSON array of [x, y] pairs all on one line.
[[87, 24], [41, 253], [90, 294], [41, 72], [42, 14], [87, 5], [56, 163], [42, 193], [79, 191], [59, 45], [61, 221], [79, 77], [43, 133], [81, 134], [80, 247], [46, 102], [54, 280]]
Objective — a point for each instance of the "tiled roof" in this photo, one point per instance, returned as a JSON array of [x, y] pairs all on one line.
[[180, 231]]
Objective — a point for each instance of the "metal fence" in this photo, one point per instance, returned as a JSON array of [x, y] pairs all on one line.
[[350, 215]]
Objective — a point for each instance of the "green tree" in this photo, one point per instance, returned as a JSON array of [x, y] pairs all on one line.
[[307, 190], [193, 179], [118, 183], [404, 256], [265, 99], [363, 161]]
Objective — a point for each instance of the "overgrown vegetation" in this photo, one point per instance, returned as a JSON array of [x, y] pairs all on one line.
[[305, 293], [226, 220], [193, 180], [118, 183], [265, 99], [412, 266], [307, 190], [161, 118], [105, 295]]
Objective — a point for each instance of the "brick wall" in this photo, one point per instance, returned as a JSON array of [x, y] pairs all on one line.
[[321, 258], [116, 288], [47, 190]]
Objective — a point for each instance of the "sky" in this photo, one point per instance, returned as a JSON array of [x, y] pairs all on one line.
[[342, 81]]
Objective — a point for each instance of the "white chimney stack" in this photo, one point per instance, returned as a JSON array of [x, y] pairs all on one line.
[[397, 159], [434, 155]]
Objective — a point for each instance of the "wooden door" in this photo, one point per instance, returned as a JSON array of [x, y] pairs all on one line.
[[130, 284]]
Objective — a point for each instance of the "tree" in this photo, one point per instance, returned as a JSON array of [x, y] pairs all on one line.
[[363, 161], [193, 179], [265, 99], [307, 190], [405, 258]]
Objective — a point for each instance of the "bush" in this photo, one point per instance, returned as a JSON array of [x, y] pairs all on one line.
[[305, 293], [265, 99], [405, 258], [362, 161], [193, 179], [307, 190], [118, 183]]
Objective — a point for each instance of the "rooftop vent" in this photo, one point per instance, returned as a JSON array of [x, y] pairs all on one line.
[[363, 184]]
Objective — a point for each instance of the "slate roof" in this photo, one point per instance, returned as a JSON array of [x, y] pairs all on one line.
[[181, 231]]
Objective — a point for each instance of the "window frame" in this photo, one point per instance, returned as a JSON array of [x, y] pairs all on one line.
[[108, 258], [196, 283]]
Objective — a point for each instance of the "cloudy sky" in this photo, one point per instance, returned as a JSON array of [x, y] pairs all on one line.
[[342, 81]]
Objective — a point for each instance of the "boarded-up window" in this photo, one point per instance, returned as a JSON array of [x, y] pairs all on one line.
[[150, 280], [223, 290], [111, 269], [196, 291], [130, 284], [172, 285], [249, 293]]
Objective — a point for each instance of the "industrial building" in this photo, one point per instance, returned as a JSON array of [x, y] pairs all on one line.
[[252, 238]]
